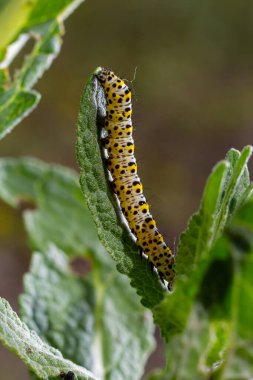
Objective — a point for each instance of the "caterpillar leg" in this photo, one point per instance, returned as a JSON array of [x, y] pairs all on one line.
[[161, 277], [104, 141], [111, 183], [151, 267]]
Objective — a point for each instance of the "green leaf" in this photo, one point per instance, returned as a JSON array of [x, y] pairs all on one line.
[[20, 105], [96, 308], [224, 193], [174, 311], [94, 311], [18, 179], [45, 361], [56, 301], [101, 201], [17, 17], [61, 216], [51, 198], [238, 357], [201, 319], [40, 19], [198, 352]]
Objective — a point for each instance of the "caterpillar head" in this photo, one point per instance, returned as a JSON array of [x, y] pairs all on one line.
[[104, 75]]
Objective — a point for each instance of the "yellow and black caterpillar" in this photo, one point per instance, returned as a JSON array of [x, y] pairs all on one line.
[[126, 182]]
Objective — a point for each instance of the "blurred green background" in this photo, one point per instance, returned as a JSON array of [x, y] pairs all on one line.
[[191, 67]]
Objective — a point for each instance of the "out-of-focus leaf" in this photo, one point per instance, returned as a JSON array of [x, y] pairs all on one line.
[[18, 179], [57, 211], [198, 351], [112, 230], [88, 318], [227, 188], [60, 216], [17, 16], [238, 357], [209, 327], [19, 21], [45, 361], [94, 309], [59, 305]]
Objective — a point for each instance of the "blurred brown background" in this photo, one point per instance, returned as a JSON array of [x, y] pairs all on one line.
[[193, 101]]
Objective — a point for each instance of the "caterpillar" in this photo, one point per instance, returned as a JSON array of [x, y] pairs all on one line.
[[122, 165]]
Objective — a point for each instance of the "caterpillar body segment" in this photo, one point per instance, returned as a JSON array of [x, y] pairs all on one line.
[[122, 165]]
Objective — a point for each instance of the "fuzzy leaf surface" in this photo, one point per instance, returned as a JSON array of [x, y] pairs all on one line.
[[45, 361]]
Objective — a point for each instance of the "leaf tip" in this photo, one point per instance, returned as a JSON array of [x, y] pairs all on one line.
[[248, 149]]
